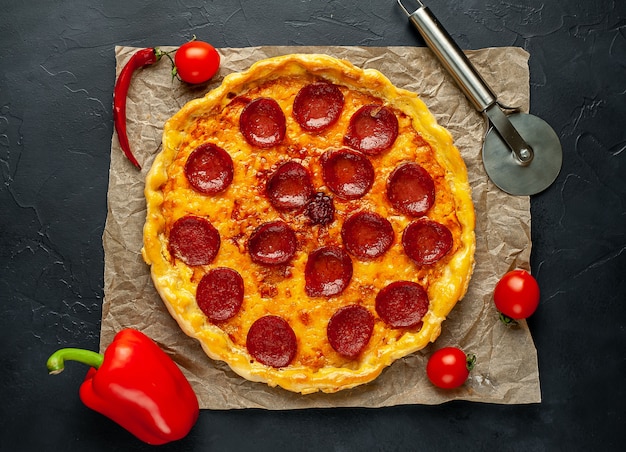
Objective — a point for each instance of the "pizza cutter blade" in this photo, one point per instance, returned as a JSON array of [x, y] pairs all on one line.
[[521, 154]]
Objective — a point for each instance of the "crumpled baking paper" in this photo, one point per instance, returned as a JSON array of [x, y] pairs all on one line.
[[506, 371]]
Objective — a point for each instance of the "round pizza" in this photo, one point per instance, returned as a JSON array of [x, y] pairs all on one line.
[[309, 223]]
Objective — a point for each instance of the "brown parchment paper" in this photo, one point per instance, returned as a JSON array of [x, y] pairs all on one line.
[[506, 371]]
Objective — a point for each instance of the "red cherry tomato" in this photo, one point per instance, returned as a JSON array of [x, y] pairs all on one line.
[[517, 294], [449, 367], [196, 62]]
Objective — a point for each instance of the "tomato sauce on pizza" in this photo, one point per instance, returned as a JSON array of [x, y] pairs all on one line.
[[309, 223]]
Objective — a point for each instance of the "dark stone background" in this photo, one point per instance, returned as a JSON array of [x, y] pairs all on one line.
[[57, 72]]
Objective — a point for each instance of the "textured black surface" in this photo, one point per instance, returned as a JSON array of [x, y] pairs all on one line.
[[57, 72]]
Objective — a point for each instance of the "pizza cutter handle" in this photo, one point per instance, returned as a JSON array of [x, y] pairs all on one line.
[[469, 80], [451, 57]]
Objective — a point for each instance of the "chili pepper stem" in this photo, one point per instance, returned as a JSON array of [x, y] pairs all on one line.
[[56, 362], [159, 53]]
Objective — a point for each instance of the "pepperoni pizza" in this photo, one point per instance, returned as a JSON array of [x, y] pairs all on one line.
[[309, 223]]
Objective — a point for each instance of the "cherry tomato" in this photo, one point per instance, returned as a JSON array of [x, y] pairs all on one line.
[[196, 62], [517, 294], [449, 367]]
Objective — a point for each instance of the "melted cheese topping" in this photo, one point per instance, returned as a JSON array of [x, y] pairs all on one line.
[[243, 206]]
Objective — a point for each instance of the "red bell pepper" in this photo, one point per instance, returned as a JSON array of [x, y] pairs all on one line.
[[136, 385]]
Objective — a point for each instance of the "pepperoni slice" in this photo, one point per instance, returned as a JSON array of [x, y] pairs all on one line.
[[271, 341], [272, 243], [410, 189], [402, 304], [350, 329], [290, 187], [327, 272], [372, 129], [209, 169], [321, 209], [220, 294], [347, 173], [426, 241], [367, 235], [318, 106], [262, 123], [194, 240]]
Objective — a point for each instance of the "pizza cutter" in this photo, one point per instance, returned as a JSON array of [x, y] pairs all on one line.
[[521, 153]]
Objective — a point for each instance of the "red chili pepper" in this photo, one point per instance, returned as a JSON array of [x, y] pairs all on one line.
[[136, 385], [141, 58]]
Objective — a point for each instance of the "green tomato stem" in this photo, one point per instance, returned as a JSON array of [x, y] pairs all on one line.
[[470, 361], [56, 362], [508, 321]]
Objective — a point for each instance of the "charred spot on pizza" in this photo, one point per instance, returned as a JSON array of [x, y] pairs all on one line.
[[320, 209]]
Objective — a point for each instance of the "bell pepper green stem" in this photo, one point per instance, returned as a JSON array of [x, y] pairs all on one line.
[[56, 362]]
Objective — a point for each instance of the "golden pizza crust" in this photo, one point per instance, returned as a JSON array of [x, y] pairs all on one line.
[[242, 207]]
